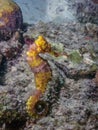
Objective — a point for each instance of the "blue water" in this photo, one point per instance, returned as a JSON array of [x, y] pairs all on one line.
[[44, 10]]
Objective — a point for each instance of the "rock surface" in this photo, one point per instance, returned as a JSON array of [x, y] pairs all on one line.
[[74, 103]]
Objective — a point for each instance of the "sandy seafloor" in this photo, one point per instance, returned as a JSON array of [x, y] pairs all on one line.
[[74, 102]]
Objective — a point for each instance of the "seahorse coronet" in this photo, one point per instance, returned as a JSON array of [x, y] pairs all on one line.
[[41, 43]]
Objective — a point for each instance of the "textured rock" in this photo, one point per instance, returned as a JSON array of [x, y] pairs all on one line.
[[12, 102], [73, 104], [85, 10], [10, 48]]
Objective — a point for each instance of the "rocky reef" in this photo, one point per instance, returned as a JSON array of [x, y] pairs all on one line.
[[72, 94]]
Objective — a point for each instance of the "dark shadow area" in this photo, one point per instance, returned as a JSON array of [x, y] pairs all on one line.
[[3, 69], [15, 125]]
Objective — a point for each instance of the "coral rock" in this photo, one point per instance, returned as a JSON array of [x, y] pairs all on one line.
[[10, 18]]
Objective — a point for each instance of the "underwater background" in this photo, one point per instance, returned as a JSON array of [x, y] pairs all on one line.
[[49, 65], [58, 10], [45, 10]]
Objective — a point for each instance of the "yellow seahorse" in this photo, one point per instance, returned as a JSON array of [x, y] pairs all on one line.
[[42, 73]]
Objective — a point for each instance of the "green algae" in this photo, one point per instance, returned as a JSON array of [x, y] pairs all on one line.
[[75, 57]]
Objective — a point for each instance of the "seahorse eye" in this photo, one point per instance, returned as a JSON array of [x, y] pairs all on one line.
[[41, 108]]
